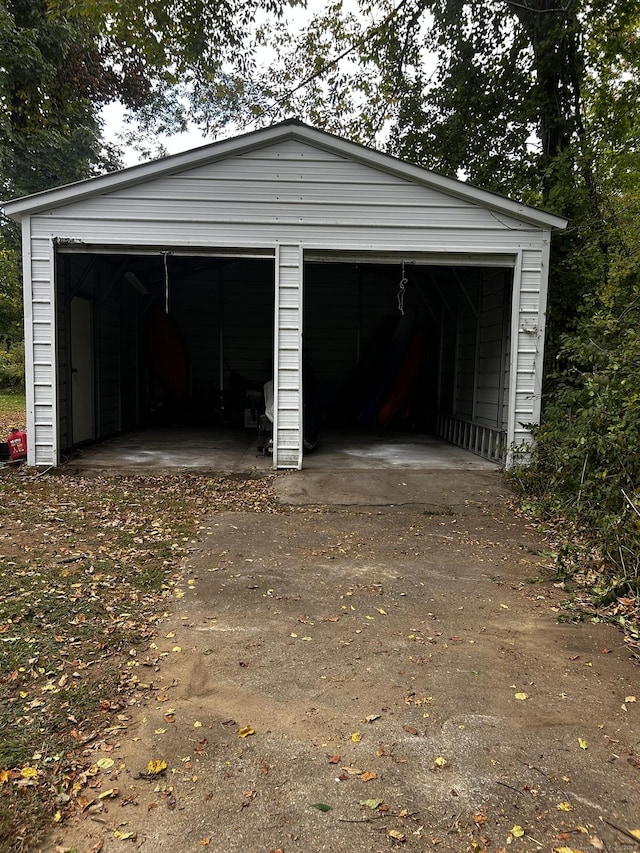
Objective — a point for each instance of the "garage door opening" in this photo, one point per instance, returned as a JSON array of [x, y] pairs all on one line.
[[409, 349], [183, 343], [161, 340]]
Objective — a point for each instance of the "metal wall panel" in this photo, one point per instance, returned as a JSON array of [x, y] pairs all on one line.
[[287, 436]]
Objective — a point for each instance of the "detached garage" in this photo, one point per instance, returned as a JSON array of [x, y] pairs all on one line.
[[375, 294]]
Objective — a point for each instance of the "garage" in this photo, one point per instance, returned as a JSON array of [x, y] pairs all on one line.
[[375, 296]]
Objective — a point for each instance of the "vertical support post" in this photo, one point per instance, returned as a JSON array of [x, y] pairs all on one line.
[[515, 346], [287, 378]]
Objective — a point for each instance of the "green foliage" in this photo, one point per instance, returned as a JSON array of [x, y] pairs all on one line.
[[11, 346], [586, 465]]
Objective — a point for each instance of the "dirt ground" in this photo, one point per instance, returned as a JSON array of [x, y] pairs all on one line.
[[377, 668]]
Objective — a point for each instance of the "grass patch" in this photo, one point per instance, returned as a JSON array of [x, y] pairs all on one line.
[[89, 566]]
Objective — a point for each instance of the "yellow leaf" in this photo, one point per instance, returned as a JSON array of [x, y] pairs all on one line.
[[626, 698], [57, 817], [245, 731], [368, 775], [160, 731], [440, 761], [635, 833], [105, 763], [504, 606], [176, 649], [517, 831], [583, 743], [29, 772], [111, 794], [381, 610], [564, 807], [156, 766], [205, 841], [522, 696], [356, 737], [4, 777], [124, 836], [565, 850], [397, 835], [197, 724]]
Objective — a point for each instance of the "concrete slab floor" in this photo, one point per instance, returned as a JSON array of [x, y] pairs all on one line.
[[227, 450]]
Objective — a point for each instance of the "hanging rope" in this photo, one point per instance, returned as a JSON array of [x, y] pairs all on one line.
[[401, 291], [166, 283]]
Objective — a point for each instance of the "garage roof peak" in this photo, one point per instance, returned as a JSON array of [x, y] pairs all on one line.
[[290, 128]]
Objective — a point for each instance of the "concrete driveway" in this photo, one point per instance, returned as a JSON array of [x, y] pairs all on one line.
[[375, 665]]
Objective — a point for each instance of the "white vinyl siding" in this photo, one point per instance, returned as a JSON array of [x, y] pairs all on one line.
[[287, 438]]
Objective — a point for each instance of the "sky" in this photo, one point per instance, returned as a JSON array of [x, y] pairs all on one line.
[[114, 115]]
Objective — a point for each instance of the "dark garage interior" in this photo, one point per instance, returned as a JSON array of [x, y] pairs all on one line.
[[168, 339]]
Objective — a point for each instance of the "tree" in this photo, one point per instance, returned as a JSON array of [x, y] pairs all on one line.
[[61, 61]]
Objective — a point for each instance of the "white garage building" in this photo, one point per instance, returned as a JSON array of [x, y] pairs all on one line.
[[176, 288]]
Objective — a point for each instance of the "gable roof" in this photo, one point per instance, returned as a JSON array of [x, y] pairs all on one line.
[[291, 129]]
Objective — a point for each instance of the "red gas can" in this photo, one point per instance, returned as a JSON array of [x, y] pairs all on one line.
[[17, 442]]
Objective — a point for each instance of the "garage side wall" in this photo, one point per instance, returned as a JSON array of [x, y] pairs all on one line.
[[40, 348]]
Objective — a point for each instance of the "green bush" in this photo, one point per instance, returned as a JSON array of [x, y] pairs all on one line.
[[12, 367], [586, 465]]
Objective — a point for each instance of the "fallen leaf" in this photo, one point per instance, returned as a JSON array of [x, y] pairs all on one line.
[[368, 775], [110, 794], [522, 696], [410, 730], [371, 804], [160, 731], [105, 763], [322, 807], [124, 836], [205, 841], [440, 761], [29, 772], [564, 807], [583, 743], [356, 737], [197, 724], [596, 842], [635, 833], [479, 818], [372, 718], [156, 766], [629, 698], [335, 759], [245, 731], [517, 831], [397, 835]]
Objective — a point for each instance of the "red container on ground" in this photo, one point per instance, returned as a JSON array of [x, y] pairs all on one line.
[[17, 442]]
